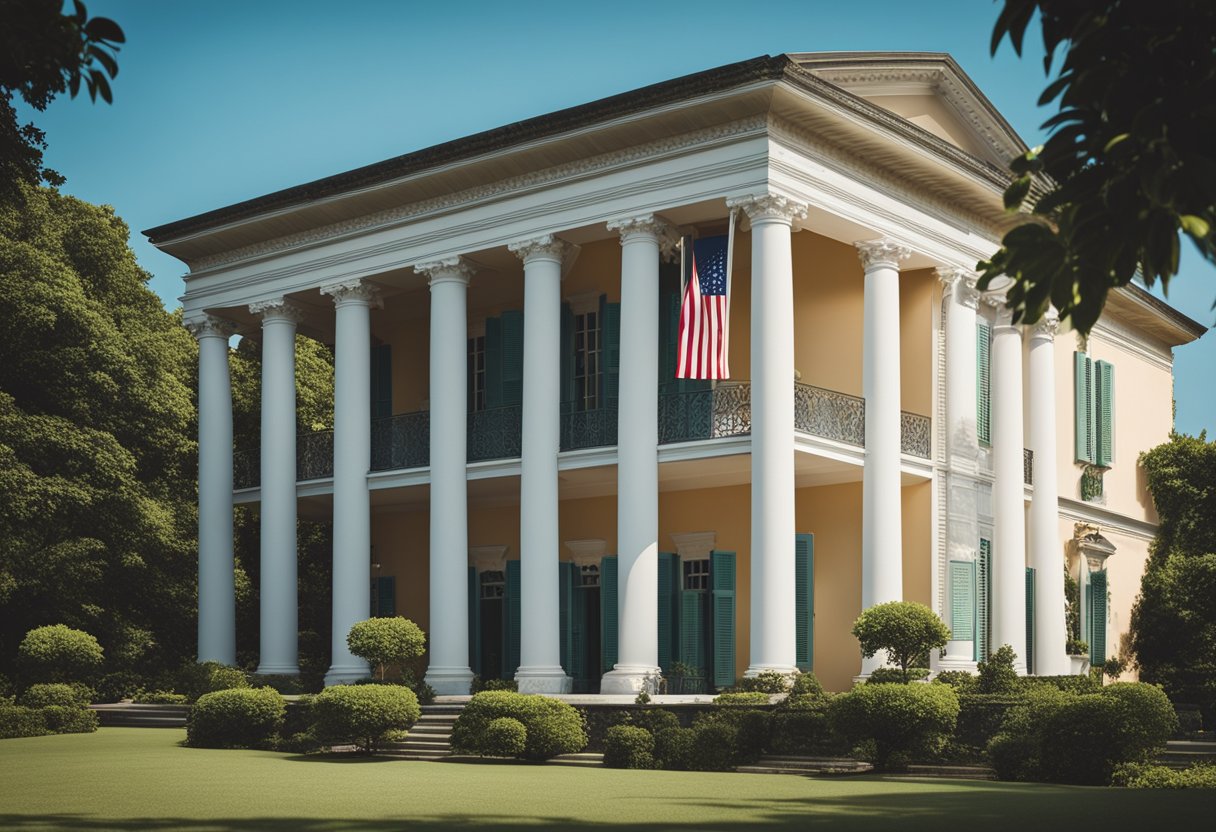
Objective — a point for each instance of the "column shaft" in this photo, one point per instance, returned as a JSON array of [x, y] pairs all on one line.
[[1008, 501]]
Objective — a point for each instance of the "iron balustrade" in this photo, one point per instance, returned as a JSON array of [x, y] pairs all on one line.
[[401, 441], [830, 415], [494, 433], [588, 429], [1027, 466]]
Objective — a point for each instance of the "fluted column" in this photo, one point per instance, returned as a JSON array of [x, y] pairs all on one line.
[[772, 369], [352, 531], [448, 671], [216, 578], [637, 490], [1008, 492], [540, 669], [881, 495], [1045, 549], [279, 599]]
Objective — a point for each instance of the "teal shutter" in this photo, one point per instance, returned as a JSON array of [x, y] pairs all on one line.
[[804, 601], [1097, 618], [493, 363], [382, 381], [578, 633], [692, 629], [512, 357], [608, 612], [1029, 620], [962, 600], [722, 579], [474, 621], [1083, 387], [1104, 416], [610, 353], [669, 604], [565, 616], [386, 597], [566, 350], [983, 594], [983, 382], [511, 612], [669, 322]]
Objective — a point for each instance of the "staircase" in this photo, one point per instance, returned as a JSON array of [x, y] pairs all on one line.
[[127, 715], [776, 764], [431, 736], [1183, 753]]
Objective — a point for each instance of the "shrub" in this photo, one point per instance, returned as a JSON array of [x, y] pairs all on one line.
[[504, 737], [628, 746], [1068, 684], [770, 681], [654, 720], [235, 718], [1014, 751], [55, 693], [980, 717], [385, 641], [905, 629], [899, 719], [20, 721], [196, 679], [797, 730], [59, 654], [673, 748], [553, 726], [159, 697], [960, 680], [363, 714], [996, 673], [713, 746], [480, 684], [748, 698], [113, 687], [807, 684], [1145, 776], [889, 675], [71, 719], [1147, 720], [287, 685]]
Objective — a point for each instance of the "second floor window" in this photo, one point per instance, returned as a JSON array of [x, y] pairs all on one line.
[[696, 575], [477, 373], [586, 361]]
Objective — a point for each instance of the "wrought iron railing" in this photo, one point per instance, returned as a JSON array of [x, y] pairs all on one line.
[[315, 455], [494, 433], [830, 415], [725, 410], [915, 434], [1027, 466], [401, 441], [588, 429]]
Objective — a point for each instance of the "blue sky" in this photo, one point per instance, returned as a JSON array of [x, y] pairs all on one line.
[[222, 100]]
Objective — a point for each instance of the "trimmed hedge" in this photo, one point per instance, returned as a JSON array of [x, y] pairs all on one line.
[[553, 727], [888, 675], [57, 694], [195, 680], [59, 653], [73, 719], [960, 680], [713, 746], [505, 737], [159, 697], [981, 716], [628, 746], [235, 718], [895, 720], [673, 748], [20, 721], [363, 715], [1144, 776], [748, 699], [480, 684], [770, 681], [800, 729]]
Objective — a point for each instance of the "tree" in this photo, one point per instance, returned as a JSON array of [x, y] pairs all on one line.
[[44, 52], [1130, 161], [906, 630], [1173, 622], [385, 641]]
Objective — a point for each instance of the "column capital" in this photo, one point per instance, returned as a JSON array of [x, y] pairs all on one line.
[[544, 247], [960, 283], [357, 291], [769, 208], [883, 252], [1047, 326], [643, 226], [277, 309], [209, 326], [446, 270]]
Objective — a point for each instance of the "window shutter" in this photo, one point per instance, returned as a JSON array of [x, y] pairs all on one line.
[[983, 594], [804, 601], [512, 357], [1083, 406], [722, 579], [578, 635], [565, 620], [669, 323], [474, 621], [669, 603], [1097, 618], [511, 612], [382, 381], [386, 596], [610, 355], [1104, 374], [962, 600], [608, 612], [983, 381], [1029, 620], [692, 629], [566, 350], [493, 363]]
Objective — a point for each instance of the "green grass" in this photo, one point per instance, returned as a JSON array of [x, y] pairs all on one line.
[[139, 778]]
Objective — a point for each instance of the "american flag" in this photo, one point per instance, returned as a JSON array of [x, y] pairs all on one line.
[[704, 319]]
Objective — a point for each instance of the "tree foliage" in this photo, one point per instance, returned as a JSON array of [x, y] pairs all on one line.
[[1130, 163], [385, 641], [906, 630]]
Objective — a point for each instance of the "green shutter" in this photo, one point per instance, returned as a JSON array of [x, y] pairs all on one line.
[[1097, 618], [804, 601], [608, 612], [493, 363], [382, 381], [386, 597], [565, 617], [512, 357], [722, 579], [610, 353], [1083, 406], [1029, 620], [983, 595], [1104, 417], [692, 628], [511, 612], [669, 602], [578, 634], [983, 382], [566, 351], [962, 600], [669, 322], [474, 621]]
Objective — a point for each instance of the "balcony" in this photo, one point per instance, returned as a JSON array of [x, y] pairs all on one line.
[[403, 441]]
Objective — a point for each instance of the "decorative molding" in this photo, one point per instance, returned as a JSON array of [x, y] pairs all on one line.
[[1124, 337], [587, 552], [645, 227], [769, 208], [584, 302], [694, 545], [544, 247], [354, 291], [1047, 326], [209, 326], [1093, 547], [447, 270], [277, 309], [882, 253], [1104, 518], [959, 283], [488, 558]]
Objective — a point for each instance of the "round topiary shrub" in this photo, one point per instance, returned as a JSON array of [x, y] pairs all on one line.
[[996, 673], [1147, 719], [904, 629], [57, 694], [235, 718], [713, 746], [807, 685], [385, 641], [59, 654], [196, 679], [504, 737], [556, 729], [363, 715], [673, 748], [900, 720], [627, 746], [553, 726], [71, 719]]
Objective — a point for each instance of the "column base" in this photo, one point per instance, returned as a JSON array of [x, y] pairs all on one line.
[[346, 674], [449, 681], [631, 679], [277, 670], [1059, 664], [543, 680], [956, 657], [755, 670], [874, 662]]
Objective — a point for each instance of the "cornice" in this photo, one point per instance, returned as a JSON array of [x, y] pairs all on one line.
[[1105, 519], [1134, 341]]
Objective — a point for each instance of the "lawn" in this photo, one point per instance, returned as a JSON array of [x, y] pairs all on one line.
[[139, 778]]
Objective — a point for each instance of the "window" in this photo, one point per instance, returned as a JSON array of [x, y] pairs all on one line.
[[589, 575], [477, 373], [586, 361], [493, 585], [696, 575], [1094, 386]]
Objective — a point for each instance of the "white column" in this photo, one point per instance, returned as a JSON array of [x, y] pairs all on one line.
[[352, 532], [637, 500], [448, 669], [279, 604], [540, 669], [1008, 492], [772, 370], [216, 580], [1045, 549], [881, 496]]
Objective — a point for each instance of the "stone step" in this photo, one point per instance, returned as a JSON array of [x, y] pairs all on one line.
[[583, 758]]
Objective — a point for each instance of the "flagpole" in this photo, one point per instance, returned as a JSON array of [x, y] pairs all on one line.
[[730, 259]]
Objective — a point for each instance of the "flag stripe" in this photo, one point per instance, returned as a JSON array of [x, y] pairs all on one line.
[[703, 337]]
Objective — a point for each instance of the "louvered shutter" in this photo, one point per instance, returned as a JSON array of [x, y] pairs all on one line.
[[512, 357], [1030, 620], [669, 582], [722, 581], [578, 633], [669, 327], [386, 596], [962, 600], [565, 619], [565, 351], [493, 363], [804, 601], [511, 626], [1097, 618], [692, 629], [474, 621], [1083, 406], [610, 353], [1104, 417], [983, 594], [609, 630], [983, 382]]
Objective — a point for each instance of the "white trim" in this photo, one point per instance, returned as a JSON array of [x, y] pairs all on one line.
[[694, 545], [488, 558], [587, 552], [1106, 520]]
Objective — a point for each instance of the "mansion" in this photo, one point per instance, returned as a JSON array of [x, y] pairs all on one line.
[[514, 465]]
